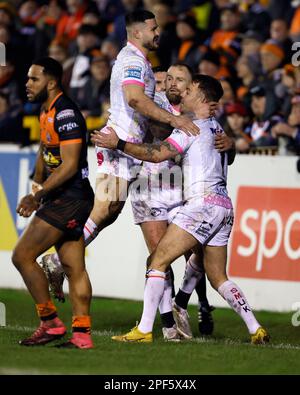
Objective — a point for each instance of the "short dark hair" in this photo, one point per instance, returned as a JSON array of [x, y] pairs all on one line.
[[51, 67], [158, 69], [211, 87], [138, 16]]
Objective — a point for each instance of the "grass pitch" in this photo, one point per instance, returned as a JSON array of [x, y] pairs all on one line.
[[227, 352]]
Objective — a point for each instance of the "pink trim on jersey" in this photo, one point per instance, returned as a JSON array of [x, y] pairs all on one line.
[[176, 145], [176, 107], [132, 82]]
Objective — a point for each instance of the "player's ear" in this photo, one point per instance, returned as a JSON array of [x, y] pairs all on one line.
[[201, 97], [52, 84], [136, 31]]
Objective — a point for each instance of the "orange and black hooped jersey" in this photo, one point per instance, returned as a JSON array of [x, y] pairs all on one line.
[[61, 124]]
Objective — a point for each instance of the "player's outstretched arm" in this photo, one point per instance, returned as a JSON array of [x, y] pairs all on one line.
[[149, 152], [140, 102]]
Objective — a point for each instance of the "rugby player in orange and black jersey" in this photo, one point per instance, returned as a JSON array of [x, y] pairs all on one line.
[[64, 194], [61, 124], [63, 202]]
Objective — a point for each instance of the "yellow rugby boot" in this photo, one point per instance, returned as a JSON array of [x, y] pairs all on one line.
[[261, 336], [134, 336]]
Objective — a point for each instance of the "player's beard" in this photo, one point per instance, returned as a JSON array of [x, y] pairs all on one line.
[[152, 45], [41, 97], [174, 98]]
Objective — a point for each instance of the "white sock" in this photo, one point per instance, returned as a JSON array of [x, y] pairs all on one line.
[[237, 300], [165, 305], [192, 275], [90, 231], [154, 289]]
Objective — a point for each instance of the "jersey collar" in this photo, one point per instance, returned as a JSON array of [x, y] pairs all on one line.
[[136, 49], [54, 100]]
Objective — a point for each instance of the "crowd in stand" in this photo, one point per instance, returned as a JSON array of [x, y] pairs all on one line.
[[249, 45]]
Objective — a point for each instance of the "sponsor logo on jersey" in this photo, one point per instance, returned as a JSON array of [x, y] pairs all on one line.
[[50, 159], [266, 234], [65, 114], [50, 119], [68, 127], [216, 130], [133, 72]]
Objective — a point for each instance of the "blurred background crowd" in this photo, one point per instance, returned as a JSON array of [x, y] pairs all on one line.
[[250, 46]]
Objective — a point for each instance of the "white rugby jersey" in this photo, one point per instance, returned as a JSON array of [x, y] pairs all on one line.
[[131, 67], [149, 168], [204, 168]]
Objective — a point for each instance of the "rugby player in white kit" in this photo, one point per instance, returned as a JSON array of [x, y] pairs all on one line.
[[204, 220], [156, 196], [131, 94]]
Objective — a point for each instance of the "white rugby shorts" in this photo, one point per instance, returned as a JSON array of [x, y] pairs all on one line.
[[154, 204], [117, 163], [210, 224]]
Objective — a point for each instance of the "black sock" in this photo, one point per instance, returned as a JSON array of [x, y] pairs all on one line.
[[172, 279], [201, 291], [167, 319], [49, 317], [182, 299]]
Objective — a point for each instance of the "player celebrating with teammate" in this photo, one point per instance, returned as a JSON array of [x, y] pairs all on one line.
[[204, 220], [131, 95], [163, 194]]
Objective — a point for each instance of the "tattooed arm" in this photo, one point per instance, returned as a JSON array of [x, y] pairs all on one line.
[[149, 152]]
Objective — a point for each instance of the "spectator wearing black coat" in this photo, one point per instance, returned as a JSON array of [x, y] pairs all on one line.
[[96, 90]]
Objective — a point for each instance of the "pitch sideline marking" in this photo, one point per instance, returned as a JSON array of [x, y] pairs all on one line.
[[200, 340]]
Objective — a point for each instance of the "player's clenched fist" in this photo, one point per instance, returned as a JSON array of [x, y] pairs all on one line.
[[27, 206]]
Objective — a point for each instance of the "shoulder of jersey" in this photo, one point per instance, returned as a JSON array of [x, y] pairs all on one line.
[[65, 108], [130, 52]]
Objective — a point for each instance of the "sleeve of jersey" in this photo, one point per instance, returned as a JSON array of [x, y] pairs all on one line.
[[180, 141], [68, 127], [133, 72]]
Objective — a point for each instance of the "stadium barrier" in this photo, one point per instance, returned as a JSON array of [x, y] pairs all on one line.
[[264, 253]]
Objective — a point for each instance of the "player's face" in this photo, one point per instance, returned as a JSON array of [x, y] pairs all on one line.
[[190, 97], [178, 79], [160, 81], [36, 86], [150, 34]]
